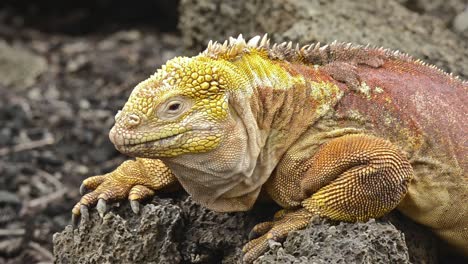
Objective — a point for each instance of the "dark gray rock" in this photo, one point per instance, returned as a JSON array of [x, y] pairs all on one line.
[[326, 242], [19, 67], [180, 231], [149, 238], [460, 22], [211, 237], [421, 242], [165, 232], [384, 23], [445, 10], [11, 229]]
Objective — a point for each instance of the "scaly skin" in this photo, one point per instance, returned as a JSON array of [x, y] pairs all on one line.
[[342, 131]]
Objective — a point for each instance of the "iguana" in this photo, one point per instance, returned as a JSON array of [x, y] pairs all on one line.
[[343, 131]]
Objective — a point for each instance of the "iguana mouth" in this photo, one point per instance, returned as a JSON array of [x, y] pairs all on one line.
[[163, 141], [124, 142]]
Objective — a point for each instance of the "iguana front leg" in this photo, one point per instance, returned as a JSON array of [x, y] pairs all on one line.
[[134, 179], [351, 178]]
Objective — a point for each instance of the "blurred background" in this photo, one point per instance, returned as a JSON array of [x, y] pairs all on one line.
[[66, 67]]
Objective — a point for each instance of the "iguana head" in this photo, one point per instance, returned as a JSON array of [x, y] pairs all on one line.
[[182, 108]]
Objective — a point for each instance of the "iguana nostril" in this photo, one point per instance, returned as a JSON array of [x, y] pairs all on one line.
[[133, 120]]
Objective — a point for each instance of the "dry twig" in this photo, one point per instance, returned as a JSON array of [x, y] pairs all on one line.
[[12, 232], [35, 205], [48, 140], [46, 254]]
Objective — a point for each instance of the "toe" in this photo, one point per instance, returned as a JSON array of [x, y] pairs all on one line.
[[76, 215], [76, 209], [89, 199], [252, 243], [81, 208], [260, 229], [140, 193], [281, 214], [137, 194], [112, 191], [91, 183], [255, 249], [285, 222]]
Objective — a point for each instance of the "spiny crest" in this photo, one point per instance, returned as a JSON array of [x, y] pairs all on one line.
[[315, 54], [233, 47]]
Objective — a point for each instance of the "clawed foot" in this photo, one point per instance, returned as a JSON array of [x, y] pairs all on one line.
[[284, 222], [108, 188], [133, 179]]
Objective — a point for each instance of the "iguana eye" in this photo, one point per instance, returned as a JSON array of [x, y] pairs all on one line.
[[174, 107]]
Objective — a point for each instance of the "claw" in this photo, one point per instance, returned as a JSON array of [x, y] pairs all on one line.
[[252, 235], [101, 207], [84, 212], [75, 220], [83, 189], [260, 229], [135, 206]]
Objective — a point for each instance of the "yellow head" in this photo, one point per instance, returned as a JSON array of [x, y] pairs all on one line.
[[182, 108]]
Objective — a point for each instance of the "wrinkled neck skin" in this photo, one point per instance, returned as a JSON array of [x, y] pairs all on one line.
[[225, 179], [265, 120]]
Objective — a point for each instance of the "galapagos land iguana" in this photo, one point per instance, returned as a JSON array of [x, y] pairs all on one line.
[[343, 131]]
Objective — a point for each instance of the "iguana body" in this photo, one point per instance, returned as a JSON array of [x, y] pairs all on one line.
[[340, 131]]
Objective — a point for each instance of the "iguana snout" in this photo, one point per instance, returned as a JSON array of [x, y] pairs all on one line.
[[146, 143], [163, 135]]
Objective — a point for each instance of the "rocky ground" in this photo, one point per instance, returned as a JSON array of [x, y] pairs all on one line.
[[65, 71], [180, 231]]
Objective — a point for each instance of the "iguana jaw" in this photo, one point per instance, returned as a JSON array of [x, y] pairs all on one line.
[[163, 142], [130, 143]]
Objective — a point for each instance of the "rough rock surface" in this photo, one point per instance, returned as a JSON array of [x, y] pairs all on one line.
[[384, 23], [325, 242], [116, 238], [446, 10], [179, 231], [167, 231], [460, 23], [19, 67]]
